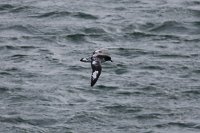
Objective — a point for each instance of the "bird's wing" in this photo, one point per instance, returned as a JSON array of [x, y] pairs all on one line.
[[96, 71], [85, 59]]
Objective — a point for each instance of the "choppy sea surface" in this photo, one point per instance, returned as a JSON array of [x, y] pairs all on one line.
[[153, 85]]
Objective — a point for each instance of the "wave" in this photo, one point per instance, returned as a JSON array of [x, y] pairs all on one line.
[[2, 88], [52, 14], [55, 14], [120, 71], [169, 26], [151, 67], [146, 29], [4, 7], [107, 87], [84, 37], [19, 56], [197, 71], [14, 8], [94, 30], [18, 29], [84, 15], [179, 124], [20, 9], [172, 55], [120, 108], [191, 93], [148, 116], [129, 51], [139, 34], [30, 121], [12, 119], [86, 117], [76, 37], [191, 3], [153, 36], [173, 30], [167, 30], [162, 36], [134, 53], [10, 47]]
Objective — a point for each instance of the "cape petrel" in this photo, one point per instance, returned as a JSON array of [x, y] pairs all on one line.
[[98, 57]]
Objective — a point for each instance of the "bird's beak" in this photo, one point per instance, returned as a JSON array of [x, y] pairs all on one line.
[[111, 60]]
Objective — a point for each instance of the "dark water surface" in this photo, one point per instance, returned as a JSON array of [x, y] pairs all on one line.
[[153, 86]]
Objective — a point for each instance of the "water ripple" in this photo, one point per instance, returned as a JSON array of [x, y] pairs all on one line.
[[66, 13], [5, 7]]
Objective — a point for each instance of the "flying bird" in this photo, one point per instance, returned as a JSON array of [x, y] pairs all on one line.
[[98, 57]]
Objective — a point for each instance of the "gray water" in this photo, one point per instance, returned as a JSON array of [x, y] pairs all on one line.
[[153, 85]]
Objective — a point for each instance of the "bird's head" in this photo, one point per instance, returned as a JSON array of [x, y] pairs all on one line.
[[108, 58]]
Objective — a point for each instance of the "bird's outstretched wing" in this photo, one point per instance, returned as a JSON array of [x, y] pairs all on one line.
[[85, 59], [96, 71]]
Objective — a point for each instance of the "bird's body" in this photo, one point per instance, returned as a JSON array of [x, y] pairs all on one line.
[[98, 57]]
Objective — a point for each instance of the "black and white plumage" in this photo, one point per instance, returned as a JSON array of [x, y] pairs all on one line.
[[98, 57]]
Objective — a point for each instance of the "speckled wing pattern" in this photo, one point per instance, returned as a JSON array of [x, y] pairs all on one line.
[[98, 57], [85, 59], [96, 70]]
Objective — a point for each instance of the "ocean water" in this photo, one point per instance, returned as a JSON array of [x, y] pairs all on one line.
[[153, 85]]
